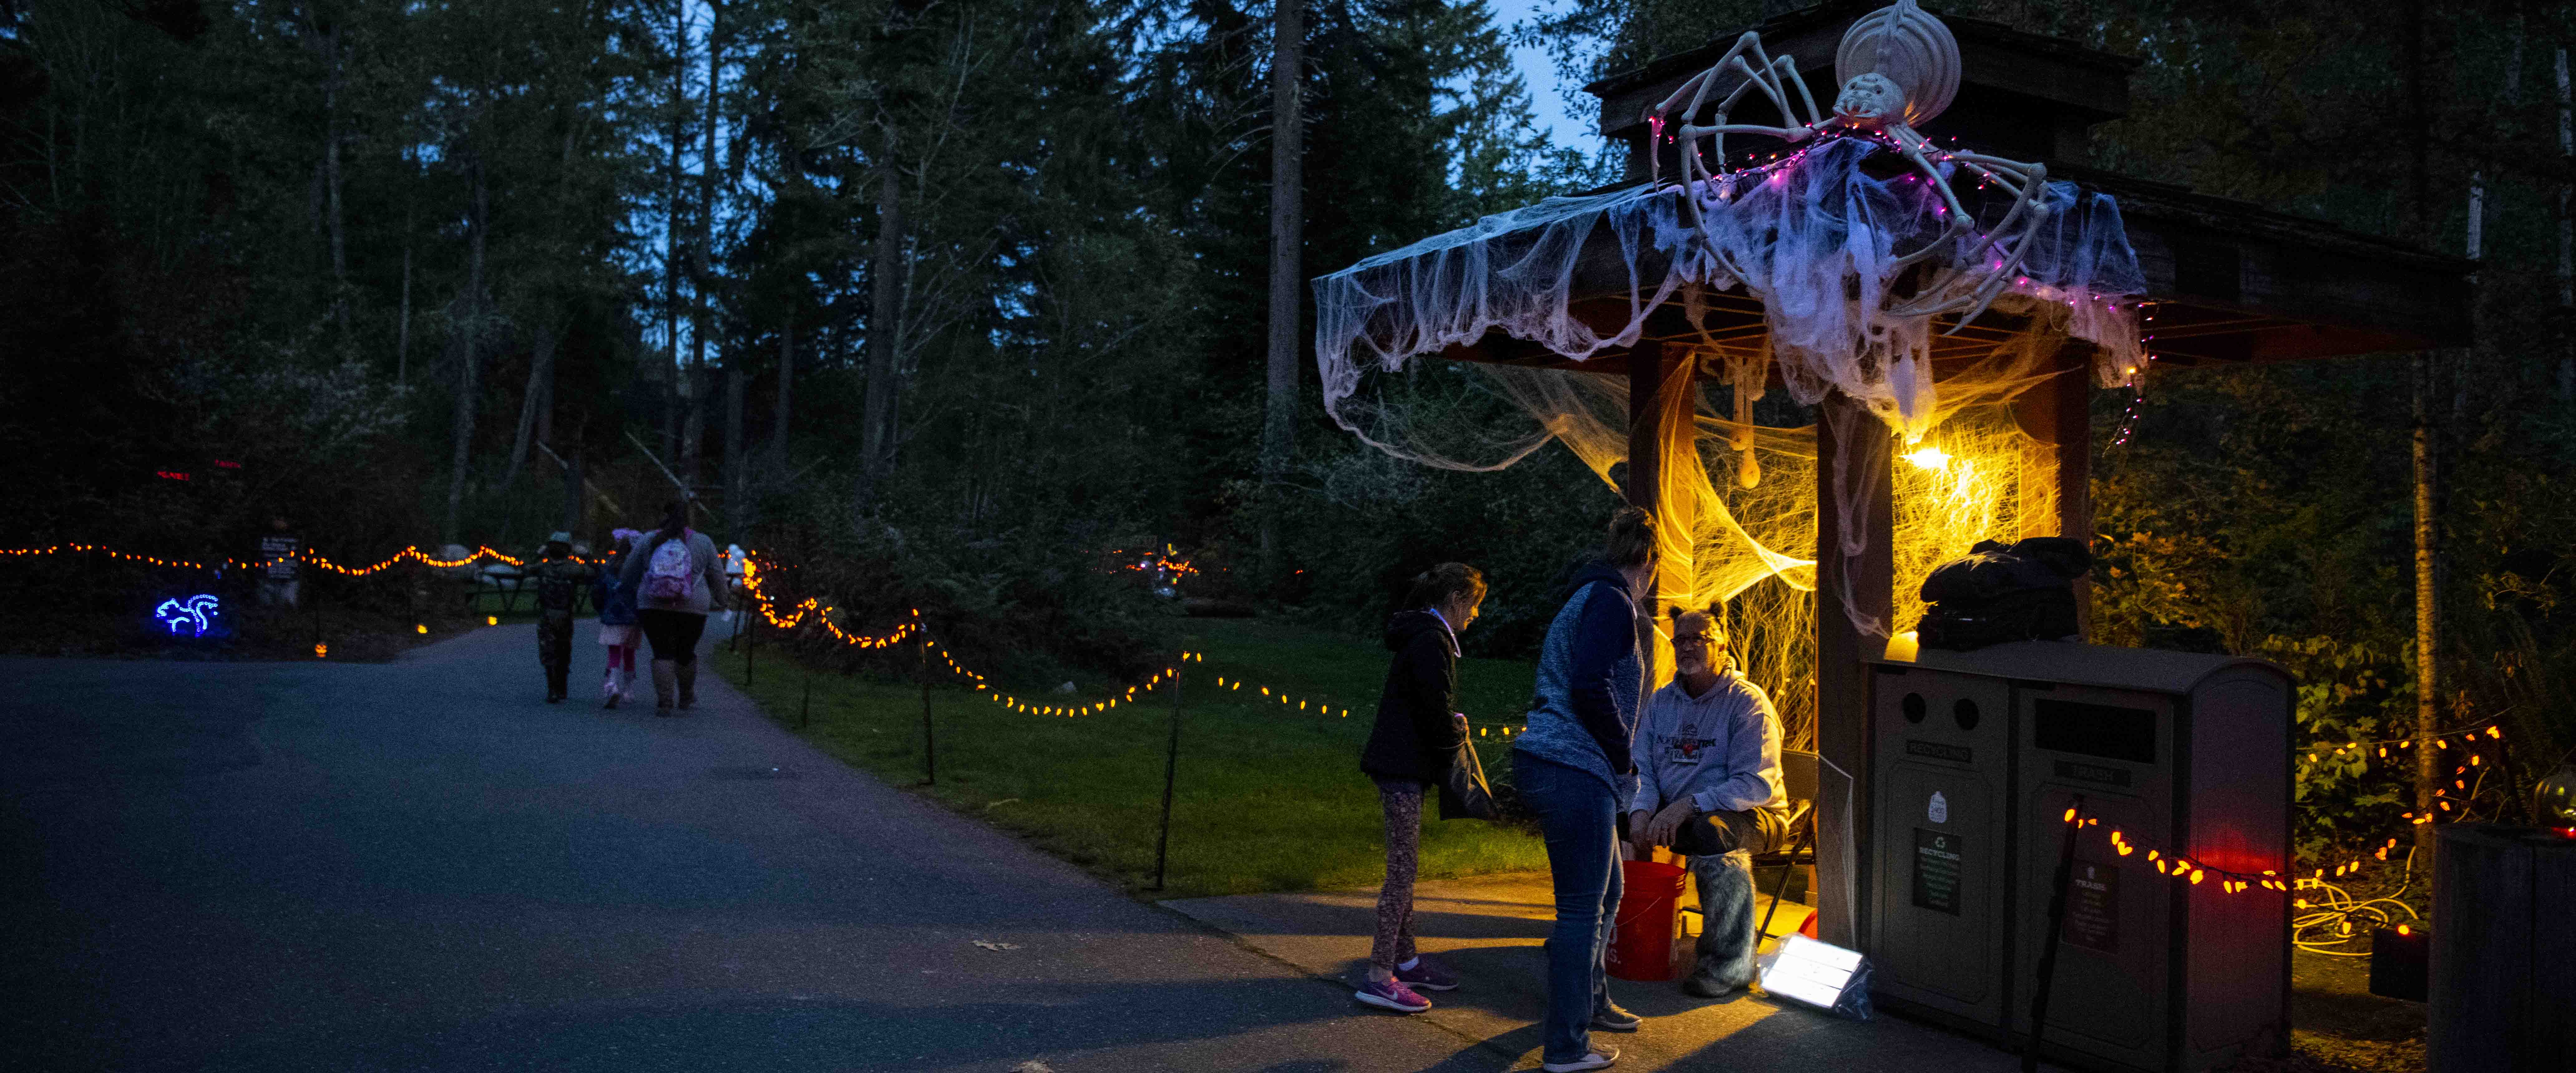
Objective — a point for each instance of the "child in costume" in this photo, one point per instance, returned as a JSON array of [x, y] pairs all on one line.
[[618, 633], [558, 578]]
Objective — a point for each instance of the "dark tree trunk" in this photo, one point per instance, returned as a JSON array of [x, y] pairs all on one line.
[[331, 92], [667, 371], [702, 260], [886, 286], [786, 388], [2428, 615], [468, 348], [533, 403], [1287, 235], [735, 472]]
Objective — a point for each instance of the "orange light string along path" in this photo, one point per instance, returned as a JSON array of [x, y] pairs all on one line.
[[810, 609], [306, 555]]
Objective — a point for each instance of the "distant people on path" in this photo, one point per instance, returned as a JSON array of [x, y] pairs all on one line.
[[281, 578], [1417, 734], [558, 578], [1708, 767], [618, 634], [677, 580], [1574, 769]]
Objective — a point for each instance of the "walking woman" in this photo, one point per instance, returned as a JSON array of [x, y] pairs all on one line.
[[618, 633], [1573, 769], [677, 581], [1418, 731]]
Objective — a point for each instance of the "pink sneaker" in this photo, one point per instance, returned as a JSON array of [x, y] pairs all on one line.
[[1393, 995]]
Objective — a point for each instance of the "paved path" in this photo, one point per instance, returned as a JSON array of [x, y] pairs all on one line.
[[1491, 928], [420, 866]]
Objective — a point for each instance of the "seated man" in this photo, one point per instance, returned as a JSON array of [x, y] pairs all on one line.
[[1707, 750]]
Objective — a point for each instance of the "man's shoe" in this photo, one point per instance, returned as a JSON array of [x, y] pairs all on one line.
[[1600, 1058], [1427, 974], [1612, 1017], [1703, 985], [1393, 995]]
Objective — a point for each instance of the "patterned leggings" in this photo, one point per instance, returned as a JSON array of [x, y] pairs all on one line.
[[1394, 941]]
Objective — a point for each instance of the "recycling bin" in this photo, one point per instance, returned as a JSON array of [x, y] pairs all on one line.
[[2180, 753]]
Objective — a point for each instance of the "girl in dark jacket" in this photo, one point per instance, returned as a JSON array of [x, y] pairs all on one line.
[[1418, 730]]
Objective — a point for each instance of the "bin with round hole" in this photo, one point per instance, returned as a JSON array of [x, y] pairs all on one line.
[[1975, 758]]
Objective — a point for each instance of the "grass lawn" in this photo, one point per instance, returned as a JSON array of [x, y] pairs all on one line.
[[1268, 797]]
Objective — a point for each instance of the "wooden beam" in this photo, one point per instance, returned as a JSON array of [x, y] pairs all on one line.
[[2056, 421], [1852, 441]]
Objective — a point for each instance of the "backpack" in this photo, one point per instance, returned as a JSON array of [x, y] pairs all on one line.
[[670, 575], [2004, 592], [557, 586]]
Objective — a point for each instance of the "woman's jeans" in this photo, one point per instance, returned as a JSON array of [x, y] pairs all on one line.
[[1579, 817]]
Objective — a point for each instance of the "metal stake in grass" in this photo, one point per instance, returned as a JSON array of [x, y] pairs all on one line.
[[929, 744], [750, 643], [805, 707], [1171, 763]]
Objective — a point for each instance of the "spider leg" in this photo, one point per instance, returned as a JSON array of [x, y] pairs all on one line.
[[1912, 145], [1788, 72]]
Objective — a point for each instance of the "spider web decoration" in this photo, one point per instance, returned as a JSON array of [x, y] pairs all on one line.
[[1856, 270]]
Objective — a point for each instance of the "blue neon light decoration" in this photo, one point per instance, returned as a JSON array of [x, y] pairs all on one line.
[[195, 615]]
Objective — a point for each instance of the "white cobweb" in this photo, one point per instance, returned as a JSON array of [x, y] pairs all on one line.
[[1814, 238]]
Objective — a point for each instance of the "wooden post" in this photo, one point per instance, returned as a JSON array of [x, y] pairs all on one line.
[[1848, 439], [1663, 454], [2056, 419]]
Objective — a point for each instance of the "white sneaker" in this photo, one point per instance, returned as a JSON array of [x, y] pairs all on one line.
[[1600, 1058]]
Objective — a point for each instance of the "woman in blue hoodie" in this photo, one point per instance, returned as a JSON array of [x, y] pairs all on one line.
[[1409, 750], [1574, 770]]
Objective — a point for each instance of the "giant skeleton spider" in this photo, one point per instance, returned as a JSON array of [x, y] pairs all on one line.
[[1899, 67]]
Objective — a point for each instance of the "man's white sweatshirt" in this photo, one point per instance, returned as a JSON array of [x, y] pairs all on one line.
[[1721, 749]]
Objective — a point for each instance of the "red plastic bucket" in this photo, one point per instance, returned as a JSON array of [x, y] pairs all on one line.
[[1650, 916]]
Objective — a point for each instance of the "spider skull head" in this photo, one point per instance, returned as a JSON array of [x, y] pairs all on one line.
[[1870, 101]]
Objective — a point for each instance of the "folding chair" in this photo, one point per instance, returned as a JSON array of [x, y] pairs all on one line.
[[1798, 775]]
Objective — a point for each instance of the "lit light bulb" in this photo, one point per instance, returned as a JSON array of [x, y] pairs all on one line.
[[1932, 458]]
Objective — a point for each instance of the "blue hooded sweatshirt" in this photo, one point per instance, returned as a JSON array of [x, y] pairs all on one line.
[[1590, 677]]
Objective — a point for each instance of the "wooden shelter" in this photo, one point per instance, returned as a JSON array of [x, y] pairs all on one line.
[[2230, 283]]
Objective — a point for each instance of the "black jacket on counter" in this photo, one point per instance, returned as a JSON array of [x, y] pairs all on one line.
[[1415, 736]]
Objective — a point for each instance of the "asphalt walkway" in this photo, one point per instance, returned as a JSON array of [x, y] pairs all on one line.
[[421, 866]]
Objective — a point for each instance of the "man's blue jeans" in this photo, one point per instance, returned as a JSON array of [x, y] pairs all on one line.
[[1578, 815]]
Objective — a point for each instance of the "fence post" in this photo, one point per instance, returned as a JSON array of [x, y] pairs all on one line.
[[1171, 763], [929, 744]]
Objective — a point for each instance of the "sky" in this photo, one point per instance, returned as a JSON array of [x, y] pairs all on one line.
[[1539, 73]]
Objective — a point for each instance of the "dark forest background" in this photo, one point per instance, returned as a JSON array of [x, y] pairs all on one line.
[[424, 272]]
